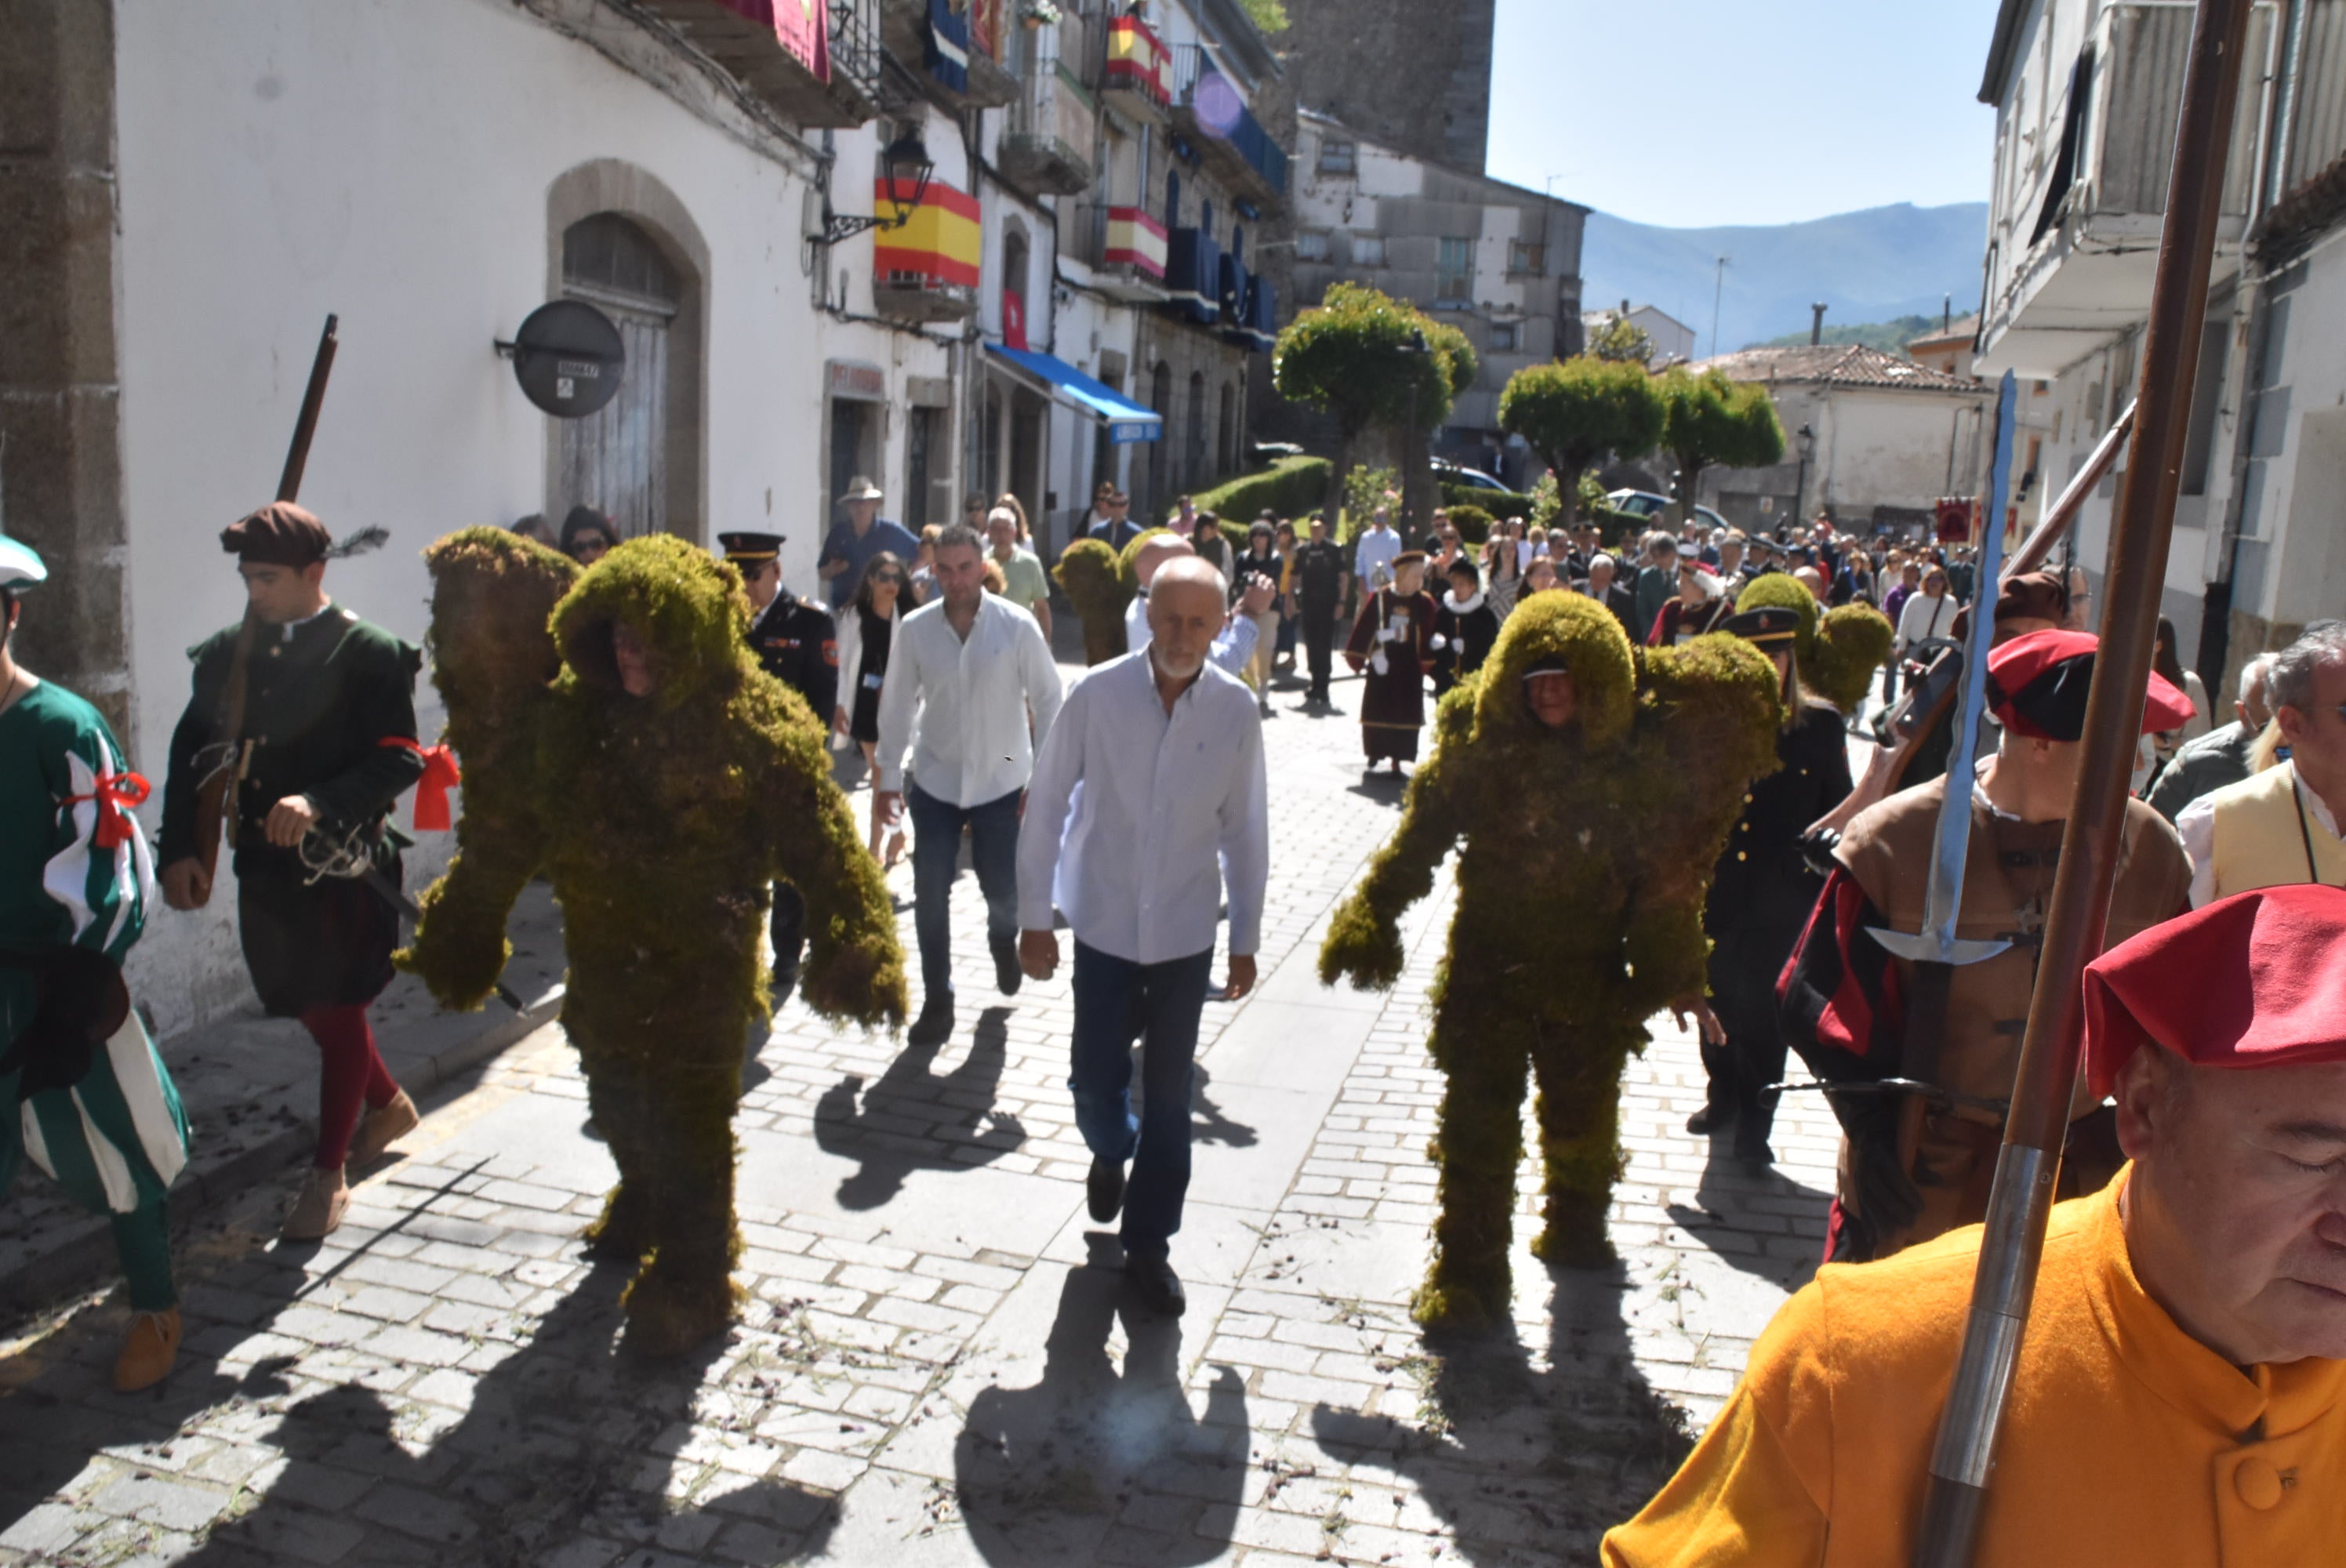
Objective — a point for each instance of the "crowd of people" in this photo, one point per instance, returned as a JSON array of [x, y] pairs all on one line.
[[1132, 808]]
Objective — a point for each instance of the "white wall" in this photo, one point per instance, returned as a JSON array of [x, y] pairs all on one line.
[[390, 162]]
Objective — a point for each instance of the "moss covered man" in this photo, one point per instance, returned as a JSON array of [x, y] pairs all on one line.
[[1592, 784], [662, 782]]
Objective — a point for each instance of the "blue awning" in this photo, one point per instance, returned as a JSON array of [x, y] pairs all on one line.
[[1127, 421]]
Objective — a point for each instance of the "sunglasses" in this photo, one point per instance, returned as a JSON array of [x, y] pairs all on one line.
[[889, 577]]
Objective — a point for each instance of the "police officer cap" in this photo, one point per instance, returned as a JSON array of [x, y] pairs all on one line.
[[1765, 624], [752, 549]]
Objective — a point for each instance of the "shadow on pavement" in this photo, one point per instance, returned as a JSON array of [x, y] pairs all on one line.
[[1048, 1474], [1524, 1464], [1208, 1124], [914, 1118], [1751, 1206], [564, 1443]]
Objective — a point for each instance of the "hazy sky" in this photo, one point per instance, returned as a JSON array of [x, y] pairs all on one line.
[[1688, 113]]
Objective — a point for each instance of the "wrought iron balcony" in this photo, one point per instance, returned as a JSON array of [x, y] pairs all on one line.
[[1047, 146], [1209, 109], [1123, 246], [846, 92]]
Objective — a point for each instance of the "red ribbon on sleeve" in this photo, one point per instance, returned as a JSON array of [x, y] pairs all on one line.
[[117, 795], [441, 774]]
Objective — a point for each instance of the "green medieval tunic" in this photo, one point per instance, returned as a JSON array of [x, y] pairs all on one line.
[[331, 712], [75, 873], [1391, 647]]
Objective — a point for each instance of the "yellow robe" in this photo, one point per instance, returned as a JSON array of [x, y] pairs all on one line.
[[2126, 1441]]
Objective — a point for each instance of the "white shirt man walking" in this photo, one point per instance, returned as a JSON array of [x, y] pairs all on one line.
[[967, 672], [1172, 819]]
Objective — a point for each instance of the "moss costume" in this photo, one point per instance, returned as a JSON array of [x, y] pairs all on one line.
[[1588, 852], [660, 820]]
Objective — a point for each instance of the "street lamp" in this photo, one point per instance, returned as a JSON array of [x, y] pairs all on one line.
[[905, 158]]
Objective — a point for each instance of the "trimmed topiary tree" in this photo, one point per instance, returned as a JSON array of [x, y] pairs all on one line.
[[1359, 356], [662, 822], [1838, 650], [1585, 856], [1575, 412], [1708, 419]]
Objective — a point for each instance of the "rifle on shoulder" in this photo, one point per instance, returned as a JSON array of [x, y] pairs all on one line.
[[216, 796]]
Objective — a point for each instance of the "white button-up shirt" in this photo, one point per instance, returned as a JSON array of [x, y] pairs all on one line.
[[1173, 814], [971, 742], [1233, 644]]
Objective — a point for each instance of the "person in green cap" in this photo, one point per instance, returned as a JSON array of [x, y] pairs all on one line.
[[82, 1091]]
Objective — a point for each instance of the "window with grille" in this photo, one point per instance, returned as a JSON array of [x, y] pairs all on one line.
[[1528, 257], [1311, 247], [1453, 271], [1338, 157], [1368, 251]]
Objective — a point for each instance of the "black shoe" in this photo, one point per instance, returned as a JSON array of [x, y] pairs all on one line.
[[1007, 975], [934, 1024], [1711, 1119], [1104, 1188], [1158, 1286]]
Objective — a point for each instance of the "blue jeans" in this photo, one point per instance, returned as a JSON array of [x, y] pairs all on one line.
[[1116, 1002], [936, 854]]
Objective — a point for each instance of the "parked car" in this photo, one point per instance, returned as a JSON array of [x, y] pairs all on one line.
[[1645, 504], [1448, 473]]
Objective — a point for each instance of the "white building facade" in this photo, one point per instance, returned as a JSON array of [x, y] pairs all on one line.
[[2086, 95], [203, 186]]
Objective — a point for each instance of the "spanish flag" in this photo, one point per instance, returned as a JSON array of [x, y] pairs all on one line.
[[939, 243]]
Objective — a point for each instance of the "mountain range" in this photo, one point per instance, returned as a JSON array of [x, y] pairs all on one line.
[[1869, 266]]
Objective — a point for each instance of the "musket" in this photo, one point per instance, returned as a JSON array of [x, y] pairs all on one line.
[[2030, 1161], [216, 796], [1935, 952]]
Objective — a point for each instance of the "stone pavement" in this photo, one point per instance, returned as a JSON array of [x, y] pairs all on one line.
[[936, 1364]]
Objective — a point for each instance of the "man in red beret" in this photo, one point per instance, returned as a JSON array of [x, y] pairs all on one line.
[[311, 711], [1844, 993], [2180, 1396]]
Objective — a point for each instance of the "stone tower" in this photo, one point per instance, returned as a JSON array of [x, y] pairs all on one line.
[[1413, 73]]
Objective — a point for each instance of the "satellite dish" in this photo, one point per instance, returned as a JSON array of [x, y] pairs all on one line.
[[569, 357]]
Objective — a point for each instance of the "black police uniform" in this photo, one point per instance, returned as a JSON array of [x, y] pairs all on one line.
[[797, 641], [1320, 568]]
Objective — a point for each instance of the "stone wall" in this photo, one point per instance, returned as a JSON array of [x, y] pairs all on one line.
[[1411, 73], [60, 446]]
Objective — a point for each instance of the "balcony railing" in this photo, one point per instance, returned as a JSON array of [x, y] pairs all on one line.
[[1209, 104], [1123, 246], [1193, 276], [1047, 146], [780, 70], [1137, 80]]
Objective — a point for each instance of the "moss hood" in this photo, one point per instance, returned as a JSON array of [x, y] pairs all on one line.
[[1584, 635], [688, 607]]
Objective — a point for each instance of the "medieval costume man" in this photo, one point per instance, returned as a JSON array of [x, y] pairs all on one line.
[[312, 713], [2181, 1394], [1391, 648], [1905, 1178], [82, 1090]]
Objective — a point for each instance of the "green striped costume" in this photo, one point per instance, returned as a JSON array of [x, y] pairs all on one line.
[[115, 1139]]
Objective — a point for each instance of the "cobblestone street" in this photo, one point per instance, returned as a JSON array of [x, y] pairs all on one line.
[[937, 1363]]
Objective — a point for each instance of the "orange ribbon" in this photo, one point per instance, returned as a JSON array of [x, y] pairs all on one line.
[[441, 774], [117, 794]]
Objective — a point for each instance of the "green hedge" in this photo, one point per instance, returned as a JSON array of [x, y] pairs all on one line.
[[1474, 524], [1498, 503], [1289, 488]]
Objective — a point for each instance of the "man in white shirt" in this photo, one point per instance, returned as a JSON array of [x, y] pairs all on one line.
[[1171, 819], [1373, 552], [1234, 644], [973, 666], [2282, 825]]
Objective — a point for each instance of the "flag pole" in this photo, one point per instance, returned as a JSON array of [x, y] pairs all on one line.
[[2030, 1160]]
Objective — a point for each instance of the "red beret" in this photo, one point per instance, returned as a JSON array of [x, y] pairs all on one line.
[[2252, 981], [280, 535], [2037, 684]]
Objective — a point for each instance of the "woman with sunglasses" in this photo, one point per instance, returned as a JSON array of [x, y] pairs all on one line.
[[865, 633]]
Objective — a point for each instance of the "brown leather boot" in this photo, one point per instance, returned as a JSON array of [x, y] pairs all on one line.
[[320, 1208], [148, 1350]]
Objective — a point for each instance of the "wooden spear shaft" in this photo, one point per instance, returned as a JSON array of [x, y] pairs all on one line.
[[2030, 1159]]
